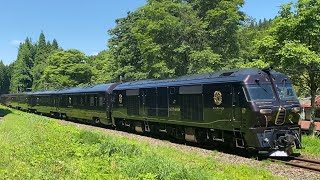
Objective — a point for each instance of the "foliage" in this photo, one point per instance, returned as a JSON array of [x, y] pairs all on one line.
[[101, 67], [67, 69], [21, 76], [43, 50], [27, 70], [35, 147], [4, 78], [170, 38]]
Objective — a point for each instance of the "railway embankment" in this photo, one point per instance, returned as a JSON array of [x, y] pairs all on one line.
[[36, 147]]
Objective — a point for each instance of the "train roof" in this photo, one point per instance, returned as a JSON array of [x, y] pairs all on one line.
[[90, 89], [16, 94], [45, 92], [235, 75]]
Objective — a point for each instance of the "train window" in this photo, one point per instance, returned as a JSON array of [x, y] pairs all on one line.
[[69, 100], [172, 90], [260, 92], [286, 91], [75, 100], [96, 101], [132, 92], [190, 90], [101, 100], [82, 100], [91, 101]]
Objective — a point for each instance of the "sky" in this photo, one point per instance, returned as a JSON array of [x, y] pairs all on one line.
[[80, 24]]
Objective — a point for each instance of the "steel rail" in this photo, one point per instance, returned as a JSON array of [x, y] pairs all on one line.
[[303, 163]]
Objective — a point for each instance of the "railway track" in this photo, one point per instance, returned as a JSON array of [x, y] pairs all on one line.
[[302, 163]]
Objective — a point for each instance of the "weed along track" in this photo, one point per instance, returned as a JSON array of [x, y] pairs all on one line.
[[72, 150]]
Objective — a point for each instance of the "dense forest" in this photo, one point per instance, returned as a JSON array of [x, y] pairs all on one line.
[[169, 38]]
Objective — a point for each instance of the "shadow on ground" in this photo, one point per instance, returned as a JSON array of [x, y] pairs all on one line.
[[4, 112]]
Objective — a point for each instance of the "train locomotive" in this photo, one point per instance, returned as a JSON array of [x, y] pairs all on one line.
[[255, 109]]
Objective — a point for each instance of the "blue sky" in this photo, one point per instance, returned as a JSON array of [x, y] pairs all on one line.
[[80, 24]]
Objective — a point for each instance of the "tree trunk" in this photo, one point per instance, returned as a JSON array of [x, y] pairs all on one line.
[[313, 90]]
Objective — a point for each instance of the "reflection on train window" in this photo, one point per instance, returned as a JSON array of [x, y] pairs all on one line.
[[260, 92], [70, 100], [95, 101], [286, 91]]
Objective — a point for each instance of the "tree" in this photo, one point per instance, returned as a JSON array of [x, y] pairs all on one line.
[[55, 45], [67, 69], [21, 76], [293, 45], [166, 38], [42, 53], [101, 67], [4, 78]]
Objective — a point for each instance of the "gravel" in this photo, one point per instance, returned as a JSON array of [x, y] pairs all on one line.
[[276, 169]]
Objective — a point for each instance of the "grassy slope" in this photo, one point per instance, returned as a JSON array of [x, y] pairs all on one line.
[[40, 148]]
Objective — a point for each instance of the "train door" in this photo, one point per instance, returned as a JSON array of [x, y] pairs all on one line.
[[151, 102], [143, 109], [236, 105], [162, 102]]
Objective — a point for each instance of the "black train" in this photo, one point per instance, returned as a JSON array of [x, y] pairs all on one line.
[[248, 108]]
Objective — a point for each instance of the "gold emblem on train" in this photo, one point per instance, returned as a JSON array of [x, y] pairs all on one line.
[[217, 97], [120, 98]]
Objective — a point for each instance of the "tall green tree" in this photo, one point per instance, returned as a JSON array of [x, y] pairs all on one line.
[[42, 53], [293, 45], [67, 69], [4, 78], [22, 79], [55, 45]]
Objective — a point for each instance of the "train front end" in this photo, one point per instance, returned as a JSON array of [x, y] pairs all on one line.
[[273, 121]]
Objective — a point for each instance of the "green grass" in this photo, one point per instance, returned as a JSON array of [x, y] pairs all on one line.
[[311, 146], [35, 147]]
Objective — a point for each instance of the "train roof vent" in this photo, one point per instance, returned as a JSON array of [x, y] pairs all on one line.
[[226, 73]]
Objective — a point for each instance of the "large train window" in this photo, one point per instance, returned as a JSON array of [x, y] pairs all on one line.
[[81, 99], [69, 100], [261, 92], [101, 101], [96, 101], [91, 100], [75, 100]]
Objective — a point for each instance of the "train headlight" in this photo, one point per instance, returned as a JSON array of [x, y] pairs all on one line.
[[295, 109], [265, 111]]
